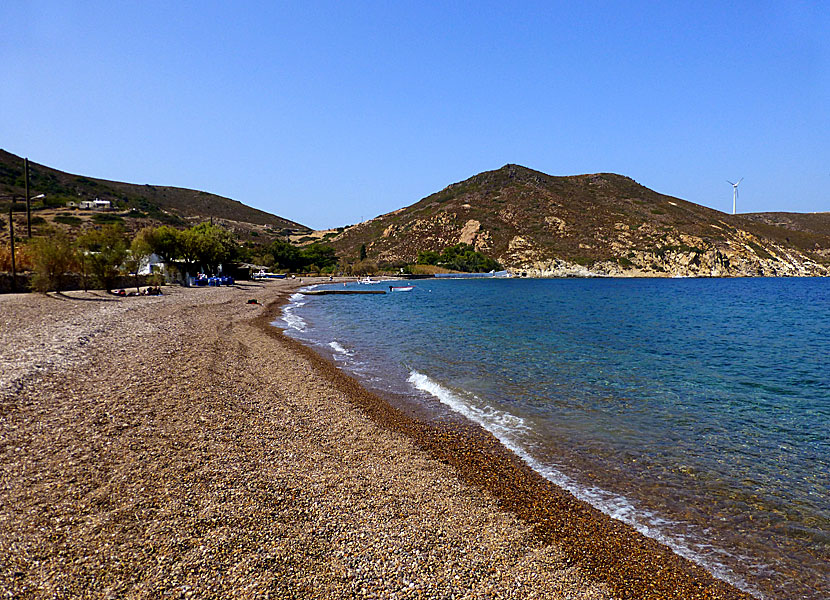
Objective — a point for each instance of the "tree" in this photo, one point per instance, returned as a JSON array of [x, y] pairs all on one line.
[[286, 255], [213, 245], [140, 250], [428, 257], [106, 250], [165, 241], [362, 252], [203, 246], [463, 257], [319, 255], [54, 258], [460, 257]]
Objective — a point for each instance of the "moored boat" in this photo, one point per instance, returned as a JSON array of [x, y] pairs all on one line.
[[263, 274]]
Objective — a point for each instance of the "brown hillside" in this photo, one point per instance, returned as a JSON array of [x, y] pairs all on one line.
[[818, 222], [133, 204], [602, 223]]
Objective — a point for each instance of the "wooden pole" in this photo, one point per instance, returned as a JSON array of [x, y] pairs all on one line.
[[28, 202], [11, 238]]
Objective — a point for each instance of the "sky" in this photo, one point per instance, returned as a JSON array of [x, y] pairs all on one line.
[[330, 113]]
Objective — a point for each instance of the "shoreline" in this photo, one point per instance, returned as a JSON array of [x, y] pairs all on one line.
[[631, 564], [185, 444]]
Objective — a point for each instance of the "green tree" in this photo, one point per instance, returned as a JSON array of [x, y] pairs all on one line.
[[106, 250], [54, 258], [463, 257], [362, 252], [319, 255], [140, 250], [285, 255], [165, 241], [210, 245], [428, 257], [460, 257]]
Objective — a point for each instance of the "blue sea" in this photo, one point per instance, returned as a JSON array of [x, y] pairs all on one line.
[[695, 410]]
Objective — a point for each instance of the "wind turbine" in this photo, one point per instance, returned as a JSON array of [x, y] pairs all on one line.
[[734, 193]]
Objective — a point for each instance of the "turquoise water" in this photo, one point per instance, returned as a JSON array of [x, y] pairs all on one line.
[[698, 411]]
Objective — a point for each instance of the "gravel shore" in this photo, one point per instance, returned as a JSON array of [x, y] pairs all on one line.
[[179, 446]]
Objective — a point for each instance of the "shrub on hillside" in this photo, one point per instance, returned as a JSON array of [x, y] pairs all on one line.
[[461, 257], [68, 220]]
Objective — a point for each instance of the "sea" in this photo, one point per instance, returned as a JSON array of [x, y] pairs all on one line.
[[695, 410]]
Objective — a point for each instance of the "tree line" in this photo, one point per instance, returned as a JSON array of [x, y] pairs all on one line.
[[460, 257], [103, 255]]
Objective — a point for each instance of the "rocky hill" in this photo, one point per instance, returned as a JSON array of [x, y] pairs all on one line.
[[817, 222], [600, 224], [134, 205]]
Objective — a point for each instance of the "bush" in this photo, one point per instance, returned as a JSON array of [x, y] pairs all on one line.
[[22, 258], [54, 258], [365, 267], [68, 220], [106, 219]]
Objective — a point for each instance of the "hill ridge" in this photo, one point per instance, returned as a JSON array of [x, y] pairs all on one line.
[[156, 203], [588, 224]]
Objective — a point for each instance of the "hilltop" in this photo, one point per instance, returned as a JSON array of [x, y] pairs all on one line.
[[134, 205], [600, 224]]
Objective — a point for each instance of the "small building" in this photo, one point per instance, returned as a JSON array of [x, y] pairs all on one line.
[[95, 204], [151, 264]]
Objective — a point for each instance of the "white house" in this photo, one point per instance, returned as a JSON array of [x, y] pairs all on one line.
[[95, 204], [151, 264]]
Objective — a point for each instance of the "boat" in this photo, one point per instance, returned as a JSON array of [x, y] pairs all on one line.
[[401, 288], [367, 281], [263, 274]]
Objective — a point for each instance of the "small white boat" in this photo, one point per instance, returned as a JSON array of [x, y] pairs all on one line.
[[367, 281], [401, 288], [263, 274]]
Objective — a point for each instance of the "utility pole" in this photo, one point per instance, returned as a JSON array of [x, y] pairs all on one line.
[[28, 206], [11, 238]]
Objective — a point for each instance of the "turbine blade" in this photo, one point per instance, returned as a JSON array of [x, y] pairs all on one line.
[[729, 182], [740, 180]]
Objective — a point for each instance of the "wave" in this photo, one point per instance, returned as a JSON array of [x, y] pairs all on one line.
[[512, 431], [340, 349], [291, 320]]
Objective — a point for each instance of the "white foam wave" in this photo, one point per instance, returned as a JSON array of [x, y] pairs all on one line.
[[510, 431], [291, 320], [497, 422], [340, 349]]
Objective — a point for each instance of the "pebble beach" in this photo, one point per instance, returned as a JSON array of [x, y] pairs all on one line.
[[179, 446]]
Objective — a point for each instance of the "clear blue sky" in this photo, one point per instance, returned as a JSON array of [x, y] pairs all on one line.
[[332, 112]]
